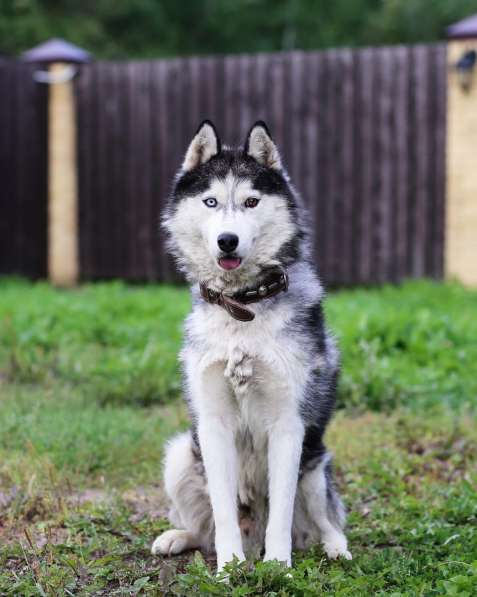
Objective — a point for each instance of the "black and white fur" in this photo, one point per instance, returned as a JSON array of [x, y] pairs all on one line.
[[253, 472]]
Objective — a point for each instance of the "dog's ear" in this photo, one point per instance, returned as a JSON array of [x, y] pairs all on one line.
[[260, 146], [204, 145]]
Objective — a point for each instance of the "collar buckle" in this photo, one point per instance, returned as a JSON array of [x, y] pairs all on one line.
[[212, 295]]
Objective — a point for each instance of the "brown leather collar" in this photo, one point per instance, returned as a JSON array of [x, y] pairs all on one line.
[[276, 281]]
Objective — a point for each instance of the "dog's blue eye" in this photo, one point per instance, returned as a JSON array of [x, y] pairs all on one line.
[[210, 202], [251, 202]]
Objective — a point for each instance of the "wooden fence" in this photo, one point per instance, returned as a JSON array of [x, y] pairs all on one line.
[[23, 172], [362, 133]]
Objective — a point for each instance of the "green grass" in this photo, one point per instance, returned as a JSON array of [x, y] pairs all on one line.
[[413, 345], [88, 394], [118, 345], [112, 342]]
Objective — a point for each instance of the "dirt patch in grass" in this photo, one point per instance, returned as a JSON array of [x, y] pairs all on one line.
[[20, 512], [441, 459], [150, 502]]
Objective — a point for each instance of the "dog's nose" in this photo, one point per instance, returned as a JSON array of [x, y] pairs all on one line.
[[227, 242]]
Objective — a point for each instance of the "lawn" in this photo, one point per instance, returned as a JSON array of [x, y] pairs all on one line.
[[89, 389]]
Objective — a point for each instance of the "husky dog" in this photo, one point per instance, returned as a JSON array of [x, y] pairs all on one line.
[[253, 474]]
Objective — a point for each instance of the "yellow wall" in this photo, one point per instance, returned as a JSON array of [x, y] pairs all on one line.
[[63, 267], [461, 217]]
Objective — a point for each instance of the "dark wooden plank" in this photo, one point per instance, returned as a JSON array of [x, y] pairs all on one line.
[[117, 166], [336, 241], [22, 135], [382, 209], [288, 107], [402, 66], [420, 84], [206, 88], [140, 169], [430, 125], [230, 132], [333, 145], [104, 209], [160, 189], [165, 144], [346, 167], [295, 113], [97, 206], [32, 183], [137, 164], [247, 93], [318, 184], [157, 198], [131, 182], [438, 126], [40, 158], [260, 98], [7, 205], [148, 218], [105, 258], [140, 135], [276, 87], [193, 96], [79, 93], [175, 138], [218, 90], [355, 206], [95, 200], [184, 100], [173, 123], [310, 141], [365, 162], [120, 136], [86, 114], [16, 170]]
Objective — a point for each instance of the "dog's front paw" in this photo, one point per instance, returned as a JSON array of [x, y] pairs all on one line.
[[172, 542], [336, 546], [228, 554], [282, 555], [278, 547]]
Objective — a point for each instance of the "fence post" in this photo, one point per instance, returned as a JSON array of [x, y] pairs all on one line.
[[461, 204], [63, 250]]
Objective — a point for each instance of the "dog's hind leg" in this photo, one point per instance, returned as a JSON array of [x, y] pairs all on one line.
[[318, 502], [191, 511], [173, 542]]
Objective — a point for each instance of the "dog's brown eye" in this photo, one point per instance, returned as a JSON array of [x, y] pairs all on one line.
[[251, 202]]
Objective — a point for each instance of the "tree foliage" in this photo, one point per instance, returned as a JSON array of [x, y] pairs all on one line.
[[148, 28]]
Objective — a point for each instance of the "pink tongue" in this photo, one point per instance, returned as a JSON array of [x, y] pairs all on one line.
[[229, 262]]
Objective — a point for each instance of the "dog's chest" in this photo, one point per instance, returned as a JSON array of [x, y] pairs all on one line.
[[239, 370], [218, 337], [246, 376]]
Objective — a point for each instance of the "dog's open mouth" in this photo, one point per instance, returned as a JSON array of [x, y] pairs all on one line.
[[229, 263]]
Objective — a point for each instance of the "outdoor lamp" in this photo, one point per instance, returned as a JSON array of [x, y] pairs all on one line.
[[462, 36], [465, 69]]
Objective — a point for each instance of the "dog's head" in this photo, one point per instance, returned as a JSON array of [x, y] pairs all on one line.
[[232, 212]]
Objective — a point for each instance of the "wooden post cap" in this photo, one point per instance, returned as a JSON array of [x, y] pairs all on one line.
[[56, 50], [465, 29]]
